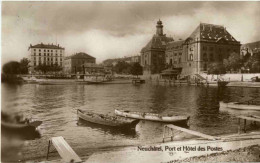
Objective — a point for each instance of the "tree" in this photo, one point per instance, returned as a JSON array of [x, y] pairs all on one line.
[[12, 67], [253, 63], [24, 65], [216, 68], [234, 62], [136, 69], [122, 67], [48, 68]]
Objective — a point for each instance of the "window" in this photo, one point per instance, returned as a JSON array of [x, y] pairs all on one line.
[[191, 57], [44, 50], [205, 58], [39, 54], [175, 54], [179, 60], [211, 57], [34, 49], [44, 54], [51, 50], [211, 48], [180, 53], [48, 50], [204, 48], [220, 57], [34, 53], [39, 50], [34, 63]]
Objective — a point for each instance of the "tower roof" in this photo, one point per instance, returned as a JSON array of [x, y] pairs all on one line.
[[157, 42]]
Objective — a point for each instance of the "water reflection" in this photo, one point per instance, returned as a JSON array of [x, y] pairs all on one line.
[[131, 133]]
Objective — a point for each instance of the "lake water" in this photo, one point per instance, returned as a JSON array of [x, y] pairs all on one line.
[[56, 106]]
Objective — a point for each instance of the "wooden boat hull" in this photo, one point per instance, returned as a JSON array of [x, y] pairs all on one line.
[[234, 105], [106, 120], [20, 127], [152, 117]]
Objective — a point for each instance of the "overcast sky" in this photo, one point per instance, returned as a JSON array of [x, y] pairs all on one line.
[[116, 29]]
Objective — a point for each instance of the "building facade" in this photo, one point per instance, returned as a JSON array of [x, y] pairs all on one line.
[[47, 54], [75, 63], [136, 59], [153, 54], [207, 44]]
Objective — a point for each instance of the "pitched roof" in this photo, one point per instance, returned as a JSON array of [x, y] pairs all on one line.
[[212, 33], [157, 42], [175, 45], [80, 55], [46, 46]]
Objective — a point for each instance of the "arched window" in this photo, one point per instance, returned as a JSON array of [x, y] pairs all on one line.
[[191, 57]]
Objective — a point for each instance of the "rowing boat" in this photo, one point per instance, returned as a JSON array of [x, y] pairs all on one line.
[[20, 126], [240, 106], [107, 120], [152, 116]]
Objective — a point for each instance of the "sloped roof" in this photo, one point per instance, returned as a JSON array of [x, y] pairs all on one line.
[[175, 45], [212, 33], [46, 46], [80, 55], [157, 42]]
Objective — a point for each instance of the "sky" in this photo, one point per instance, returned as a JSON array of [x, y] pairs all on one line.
[[116, 29]]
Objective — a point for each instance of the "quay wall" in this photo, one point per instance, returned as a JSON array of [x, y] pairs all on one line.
[[231, 77]]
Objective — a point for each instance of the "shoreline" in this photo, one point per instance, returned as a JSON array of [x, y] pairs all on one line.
[[235, 147]]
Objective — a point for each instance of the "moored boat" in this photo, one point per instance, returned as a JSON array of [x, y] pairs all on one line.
[[107, 120], [20, 126], [240, 106], [153, 117]]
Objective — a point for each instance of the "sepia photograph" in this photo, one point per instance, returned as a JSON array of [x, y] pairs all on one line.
[[130, 81]]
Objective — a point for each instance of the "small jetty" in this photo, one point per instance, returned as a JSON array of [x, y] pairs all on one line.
[[65, 151]]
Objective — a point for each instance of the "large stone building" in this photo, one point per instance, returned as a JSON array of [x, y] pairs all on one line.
[[47, 54], [75, 63], [153, 54], [207, 44]]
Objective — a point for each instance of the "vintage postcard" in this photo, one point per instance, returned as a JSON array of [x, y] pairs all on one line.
[[130, 81]]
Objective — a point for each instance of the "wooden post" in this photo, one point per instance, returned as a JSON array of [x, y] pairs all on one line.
[[238, 126], [48, 149], [171, 135], [163, 134], [244, 125]]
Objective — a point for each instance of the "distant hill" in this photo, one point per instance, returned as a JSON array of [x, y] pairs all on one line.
[[252, 45]]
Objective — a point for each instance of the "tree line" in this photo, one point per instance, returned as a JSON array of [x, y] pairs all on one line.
[[236, 62], [123, 67]]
